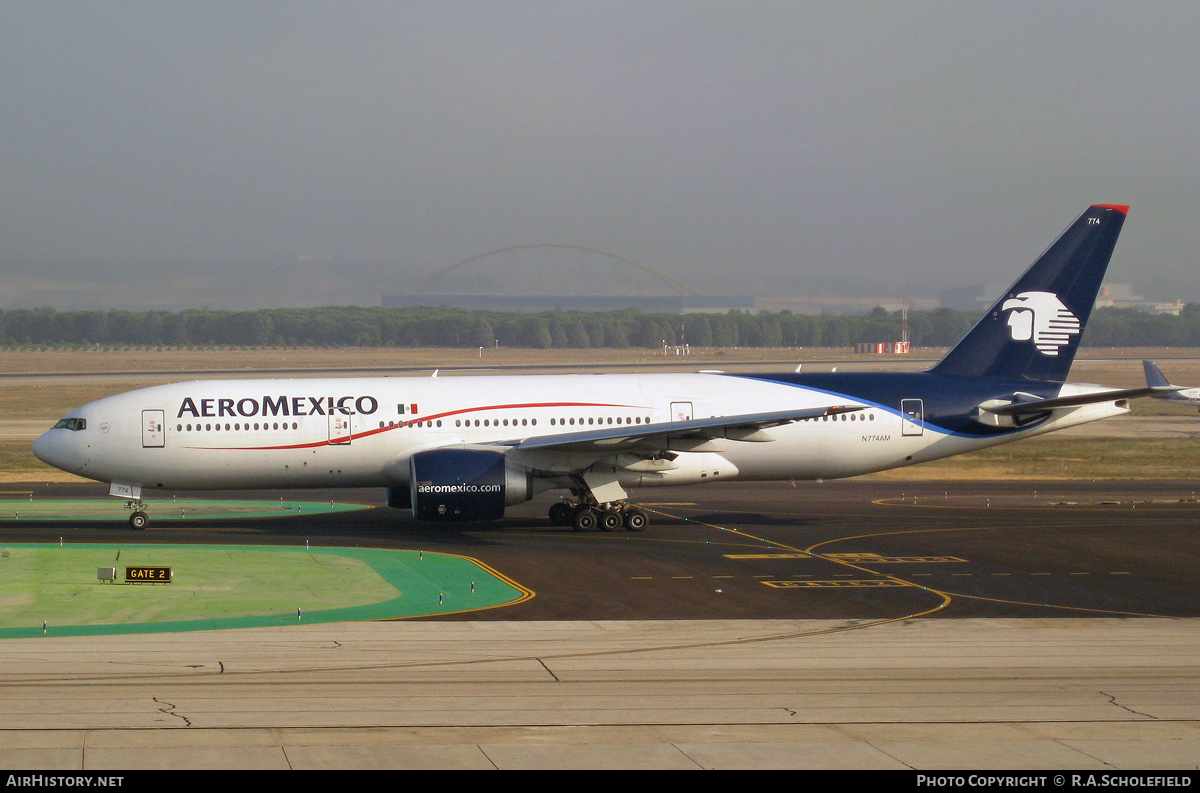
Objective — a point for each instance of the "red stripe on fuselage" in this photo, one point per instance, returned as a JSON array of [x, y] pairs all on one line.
[[409, 422]]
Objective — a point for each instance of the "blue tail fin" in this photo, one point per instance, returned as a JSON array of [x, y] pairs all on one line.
[[1033, 331], [1154, 375], [1156, 379]]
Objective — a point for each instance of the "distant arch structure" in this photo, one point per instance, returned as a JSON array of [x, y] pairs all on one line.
[[678, 286]]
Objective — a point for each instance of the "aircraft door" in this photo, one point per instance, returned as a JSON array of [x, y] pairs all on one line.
[[339, 428], [912, 417], [681, 411], [154, 434]]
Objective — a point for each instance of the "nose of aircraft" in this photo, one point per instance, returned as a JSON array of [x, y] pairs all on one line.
[[53, 447], [43, 448]]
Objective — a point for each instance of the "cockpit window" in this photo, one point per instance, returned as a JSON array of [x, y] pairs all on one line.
[[75, 425]]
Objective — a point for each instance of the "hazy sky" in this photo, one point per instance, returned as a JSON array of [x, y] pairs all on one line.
[[246, 154]]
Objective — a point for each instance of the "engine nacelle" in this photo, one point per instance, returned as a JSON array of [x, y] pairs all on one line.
[[465, 484]]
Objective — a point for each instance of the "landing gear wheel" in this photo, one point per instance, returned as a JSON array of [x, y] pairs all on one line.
[[610, 520], [562, 514], [636, 519], [585, 519], [138, 520]]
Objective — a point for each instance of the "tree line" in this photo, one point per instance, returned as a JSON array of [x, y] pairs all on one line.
[[358, 326]]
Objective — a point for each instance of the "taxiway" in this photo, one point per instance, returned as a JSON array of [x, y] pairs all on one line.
[[864, 624]]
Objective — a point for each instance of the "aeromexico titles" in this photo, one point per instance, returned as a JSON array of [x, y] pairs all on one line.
[[464, 448]]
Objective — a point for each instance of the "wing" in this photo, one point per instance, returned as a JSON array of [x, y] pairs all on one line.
[[659, 437]]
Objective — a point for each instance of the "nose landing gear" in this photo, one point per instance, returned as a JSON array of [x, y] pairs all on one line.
[[133, 502], [138, 519]]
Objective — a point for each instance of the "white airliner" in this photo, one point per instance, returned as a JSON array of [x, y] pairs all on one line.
[[464, 448]]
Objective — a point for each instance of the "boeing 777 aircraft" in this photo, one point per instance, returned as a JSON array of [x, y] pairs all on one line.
[[464, 448]]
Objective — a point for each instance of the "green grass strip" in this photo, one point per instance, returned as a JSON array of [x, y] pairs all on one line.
[[220, 587], [14, 509]]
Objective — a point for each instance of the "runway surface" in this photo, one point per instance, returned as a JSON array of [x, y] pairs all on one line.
[[869, 623]]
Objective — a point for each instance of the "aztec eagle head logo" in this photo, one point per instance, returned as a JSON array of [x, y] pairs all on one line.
[[1042, 318]]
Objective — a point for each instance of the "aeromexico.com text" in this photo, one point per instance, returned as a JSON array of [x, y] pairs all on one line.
[[247, 407], [426, 487]]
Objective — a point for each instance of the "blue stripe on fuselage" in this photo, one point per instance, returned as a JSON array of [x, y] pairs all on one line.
[[950, 403]]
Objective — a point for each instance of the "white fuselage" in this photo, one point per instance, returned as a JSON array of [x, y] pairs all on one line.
[[350, 432]]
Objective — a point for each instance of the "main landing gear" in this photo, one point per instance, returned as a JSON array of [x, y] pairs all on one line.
[[607, 517]]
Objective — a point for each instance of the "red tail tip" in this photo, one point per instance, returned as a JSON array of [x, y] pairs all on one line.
[[1122, 208]]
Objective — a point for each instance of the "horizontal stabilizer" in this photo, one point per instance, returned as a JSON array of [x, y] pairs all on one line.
[[1042, 405]]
